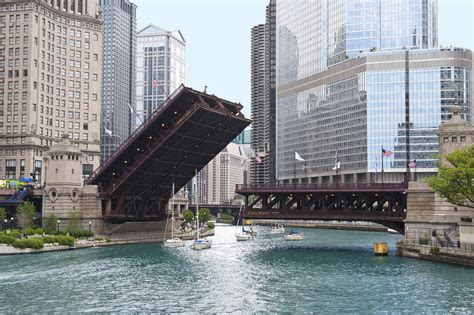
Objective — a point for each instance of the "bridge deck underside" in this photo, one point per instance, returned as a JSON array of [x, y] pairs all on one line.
[[185, 136], [386, 206]]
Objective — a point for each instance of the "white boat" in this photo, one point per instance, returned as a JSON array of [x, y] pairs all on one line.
[[200, 243], [277, 229], [392, 231], [173, 241], [294, 236], [244, 235]]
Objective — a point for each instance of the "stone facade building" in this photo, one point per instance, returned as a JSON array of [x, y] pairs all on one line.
[[64, 193], [429, 215], [50, 82]]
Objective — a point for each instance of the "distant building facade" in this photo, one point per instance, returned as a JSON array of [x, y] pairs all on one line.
[[354, 79], [118, 73], [160, 68], [263, 80], [50, 82], [244, 137]]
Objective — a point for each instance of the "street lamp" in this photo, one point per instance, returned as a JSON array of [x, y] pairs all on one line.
[[59, 221], [11, 224], [90, 223], [5, 226]]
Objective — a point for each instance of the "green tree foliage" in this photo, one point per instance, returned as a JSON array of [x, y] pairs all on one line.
[[456, 182], [49, 224], [204, 215], [3, 215], [25, 214], [188, 216], [73, 222]]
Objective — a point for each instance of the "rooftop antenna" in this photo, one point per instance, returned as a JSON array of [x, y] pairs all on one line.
[[205, 89]]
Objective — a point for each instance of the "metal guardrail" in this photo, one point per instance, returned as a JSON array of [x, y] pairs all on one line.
[[135, 134], [310, 186]]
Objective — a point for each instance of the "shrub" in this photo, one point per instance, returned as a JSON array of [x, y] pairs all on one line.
[[434, 250], [50, 224], [33, 231], [64, 240], [25, 213], [226, 216], [34, 243], [424, 240], [210, 225], [73, 221], [7, 239], [60, 239], [14, 233]]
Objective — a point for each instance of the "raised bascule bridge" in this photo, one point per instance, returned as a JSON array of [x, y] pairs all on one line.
[[383, 203], [182, 136]]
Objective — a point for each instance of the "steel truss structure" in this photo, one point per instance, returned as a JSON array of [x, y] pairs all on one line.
[[385, 204], [181, 136]]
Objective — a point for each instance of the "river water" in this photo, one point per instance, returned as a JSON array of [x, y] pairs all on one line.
[[329, 271]]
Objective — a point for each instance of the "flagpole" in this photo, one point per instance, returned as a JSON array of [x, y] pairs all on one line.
[[382, 161], [305, 170], [294, 166]]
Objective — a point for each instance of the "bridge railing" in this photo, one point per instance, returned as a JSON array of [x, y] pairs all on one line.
[[135, 134], [320, 186]]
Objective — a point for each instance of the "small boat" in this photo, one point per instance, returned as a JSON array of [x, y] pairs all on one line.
[[294, 236], [392, 231], [200, 243], [277, 229], [245, 235], [173, 241]]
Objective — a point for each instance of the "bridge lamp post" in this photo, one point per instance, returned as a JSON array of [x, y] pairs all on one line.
[[59, 221], [11, 224], [90, 224], [5, 226]]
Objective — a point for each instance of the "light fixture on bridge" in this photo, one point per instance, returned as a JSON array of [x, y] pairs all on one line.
[[162, 125], [138, 149], [113, 173], [125, 162]]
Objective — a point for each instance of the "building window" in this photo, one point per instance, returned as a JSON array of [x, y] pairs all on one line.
[[454, 139], [446, 139], [22, 168], [10, 169], [463, 139]]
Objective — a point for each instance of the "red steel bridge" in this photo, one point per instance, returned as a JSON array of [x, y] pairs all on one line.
[[385, 204], [183, 135]]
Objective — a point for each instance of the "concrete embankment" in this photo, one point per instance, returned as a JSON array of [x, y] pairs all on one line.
[[456, 256], [335, 225]]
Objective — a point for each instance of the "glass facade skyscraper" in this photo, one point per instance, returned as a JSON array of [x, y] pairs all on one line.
[[119, 70], [160, 68], [354, 76]]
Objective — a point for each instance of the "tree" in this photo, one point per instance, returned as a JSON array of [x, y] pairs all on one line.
[[25, 215], [3, 215], [188, 216], [203, 215], [49, 224], [73, 222], [456, 182]]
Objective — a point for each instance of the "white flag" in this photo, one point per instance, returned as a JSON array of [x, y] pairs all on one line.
[[337, 166], [298, 157], [108, 131]]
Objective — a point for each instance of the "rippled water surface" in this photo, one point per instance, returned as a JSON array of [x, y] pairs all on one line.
[[329, 271]]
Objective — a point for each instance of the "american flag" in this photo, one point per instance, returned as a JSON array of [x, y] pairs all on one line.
[[304, 166], [386, 153], [154, 83], [412, 164], [258, 158]]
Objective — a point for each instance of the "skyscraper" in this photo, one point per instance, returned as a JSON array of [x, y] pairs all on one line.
[[119, 73], [160, 68], [262, 166], [50, 78], [355, 78]]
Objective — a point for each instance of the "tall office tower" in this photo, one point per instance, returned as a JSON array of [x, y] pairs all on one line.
[[50, 80], [262, 167], [244, 137], [223, 173], [160, 68], [356, 78], [118, 73]]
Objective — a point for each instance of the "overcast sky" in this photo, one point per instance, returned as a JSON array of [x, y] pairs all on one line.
[[217, 34]]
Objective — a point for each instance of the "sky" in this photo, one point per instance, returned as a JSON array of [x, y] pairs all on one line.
[[217, 34]]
